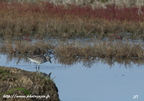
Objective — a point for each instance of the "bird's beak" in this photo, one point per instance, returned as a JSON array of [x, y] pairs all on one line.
[[50, 61]]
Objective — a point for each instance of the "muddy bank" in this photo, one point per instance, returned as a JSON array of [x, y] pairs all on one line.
[[20, 85]]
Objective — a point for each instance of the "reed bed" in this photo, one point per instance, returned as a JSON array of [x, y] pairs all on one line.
[[76, 49], [100, 49], [46, 19], [24, 47], [71, 52]]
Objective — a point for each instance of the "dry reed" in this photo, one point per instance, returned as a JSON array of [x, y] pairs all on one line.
[[70, 52], [101, 49], [76, 49], [24, 47]]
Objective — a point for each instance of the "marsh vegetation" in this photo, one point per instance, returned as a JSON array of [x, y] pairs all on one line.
[[86, 32], [71, 51], [46, 19], [23, 22]]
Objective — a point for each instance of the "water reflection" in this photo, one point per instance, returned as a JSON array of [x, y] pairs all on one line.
[[17, 58], [87, 62]]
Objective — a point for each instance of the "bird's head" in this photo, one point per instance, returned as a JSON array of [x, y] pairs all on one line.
[[48, 58]]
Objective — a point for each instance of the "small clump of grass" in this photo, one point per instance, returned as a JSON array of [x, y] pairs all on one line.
[[13, 90], [4, 72]]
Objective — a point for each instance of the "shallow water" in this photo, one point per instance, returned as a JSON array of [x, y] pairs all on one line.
[[100, 82]]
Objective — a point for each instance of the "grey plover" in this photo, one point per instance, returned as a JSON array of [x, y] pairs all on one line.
[[39, 59]]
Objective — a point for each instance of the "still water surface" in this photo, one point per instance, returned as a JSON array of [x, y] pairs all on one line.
[[100, 82]]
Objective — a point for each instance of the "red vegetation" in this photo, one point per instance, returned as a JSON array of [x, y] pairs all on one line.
[[45, 18], [110, 13]]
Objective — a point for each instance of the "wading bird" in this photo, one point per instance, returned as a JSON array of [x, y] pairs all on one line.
[[39, 59]]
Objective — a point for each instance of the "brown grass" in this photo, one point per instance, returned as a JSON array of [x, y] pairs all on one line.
[[45, 19], [101, 49], [24, 47], [70, 52], [74, 49]]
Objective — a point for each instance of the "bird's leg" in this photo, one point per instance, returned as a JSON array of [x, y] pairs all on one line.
[[38, 67]]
